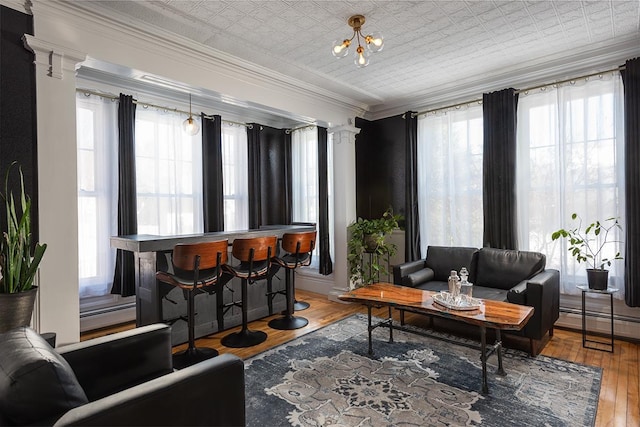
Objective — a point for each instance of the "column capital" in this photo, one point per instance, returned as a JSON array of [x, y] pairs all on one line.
[[53, 58], [344, 133]]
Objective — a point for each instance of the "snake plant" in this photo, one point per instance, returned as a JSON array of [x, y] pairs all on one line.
[[18, 259]]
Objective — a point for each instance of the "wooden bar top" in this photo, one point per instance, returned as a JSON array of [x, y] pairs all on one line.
[[152, 243], [492, 314]]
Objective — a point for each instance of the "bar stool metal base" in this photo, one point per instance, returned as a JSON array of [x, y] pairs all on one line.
[[287, 323], [191, 356], [244, 338], [300, 305]]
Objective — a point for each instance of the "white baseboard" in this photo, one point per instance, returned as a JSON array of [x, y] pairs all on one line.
[[102, 320]]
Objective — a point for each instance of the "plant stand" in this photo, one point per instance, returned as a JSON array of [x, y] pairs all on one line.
[[585, 340], [369, 258]]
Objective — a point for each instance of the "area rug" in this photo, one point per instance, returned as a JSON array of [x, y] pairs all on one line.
[[326, 378]]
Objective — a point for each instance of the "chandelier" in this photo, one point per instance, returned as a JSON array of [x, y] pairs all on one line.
[[373, 43]]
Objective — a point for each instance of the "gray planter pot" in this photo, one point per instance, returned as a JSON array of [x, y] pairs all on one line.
[[597, 279], [16, 309]]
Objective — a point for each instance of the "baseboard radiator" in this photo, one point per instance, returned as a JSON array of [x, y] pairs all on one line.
[[107, 316]]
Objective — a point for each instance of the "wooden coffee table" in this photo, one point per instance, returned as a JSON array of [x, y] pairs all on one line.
[[491, 314]]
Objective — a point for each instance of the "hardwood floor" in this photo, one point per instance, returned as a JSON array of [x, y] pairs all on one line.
[[619, 403]]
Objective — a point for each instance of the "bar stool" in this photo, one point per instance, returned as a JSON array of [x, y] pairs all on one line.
[[196, 267], [254, 255], [299, 248]]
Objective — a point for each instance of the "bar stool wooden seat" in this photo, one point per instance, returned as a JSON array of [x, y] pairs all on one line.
[[254, 255], [196, 269], [299, 248]]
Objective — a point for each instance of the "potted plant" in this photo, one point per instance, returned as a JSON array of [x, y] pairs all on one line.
[[19, 260], [369, 236], [588, 244]]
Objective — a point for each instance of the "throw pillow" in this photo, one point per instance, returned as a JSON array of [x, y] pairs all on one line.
[[36, 383]]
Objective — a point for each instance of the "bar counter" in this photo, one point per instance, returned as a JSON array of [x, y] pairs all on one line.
[[157, 302]]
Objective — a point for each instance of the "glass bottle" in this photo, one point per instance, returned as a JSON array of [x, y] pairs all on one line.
[[454, 284]]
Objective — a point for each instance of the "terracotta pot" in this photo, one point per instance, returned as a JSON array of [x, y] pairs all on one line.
[[597, 279], [16, 309]]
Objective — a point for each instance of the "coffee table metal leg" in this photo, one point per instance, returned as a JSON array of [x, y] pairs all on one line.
[[369, 328], [390, 325], [483, 358], [498, 347]]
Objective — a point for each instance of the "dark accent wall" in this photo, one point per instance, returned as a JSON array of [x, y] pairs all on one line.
[[380, 166], [18, 108]]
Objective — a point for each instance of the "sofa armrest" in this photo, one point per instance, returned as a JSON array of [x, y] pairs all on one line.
[[208, 393], [401, 271], [115, 362], [542, 292]]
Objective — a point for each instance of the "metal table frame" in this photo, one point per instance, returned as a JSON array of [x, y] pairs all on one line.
[[485, 351]]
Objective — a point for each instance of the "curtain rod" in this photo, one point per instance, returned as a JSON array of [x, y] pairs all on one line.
[[160, 107], [301, 127], [479, 101]]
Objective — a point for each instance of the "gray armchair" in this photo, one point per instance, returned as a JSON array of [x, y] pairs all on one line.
[[121, 379]]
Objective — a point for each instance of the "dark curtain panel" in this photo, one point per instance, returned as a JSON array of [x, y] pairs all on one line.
[[124, 278], [499, 169], [326, 266], [212, 191], [253, 142], [411, 225], [631, 80], [275, 176]]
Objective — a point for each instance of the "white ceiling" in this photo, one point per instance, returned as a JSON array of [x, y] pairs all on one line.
[[430, 46]]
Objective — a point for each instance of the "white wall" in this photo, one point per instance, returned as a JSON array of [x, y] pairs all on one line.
[[63, 35]]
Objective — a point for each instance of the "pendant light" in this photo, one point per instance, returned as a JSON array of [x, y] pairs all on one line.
[[190, 125]]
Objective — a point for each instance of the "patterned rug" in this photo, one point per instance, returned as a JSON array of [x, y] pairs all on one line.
[[326, 378]]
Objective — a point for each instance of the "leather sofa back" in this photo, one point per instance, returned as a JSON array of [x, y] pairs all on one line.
[[443, 259], [505, 268]]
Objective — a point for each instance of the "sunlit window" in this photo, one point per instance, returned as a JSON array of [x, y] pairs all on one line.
[[450, 178]]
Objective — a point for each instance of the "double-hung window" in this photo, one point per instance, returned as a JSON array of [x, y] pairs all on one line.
[[168, 174], [450, 178], [304, 154], [235, 177], [97, 139], [570, 159]]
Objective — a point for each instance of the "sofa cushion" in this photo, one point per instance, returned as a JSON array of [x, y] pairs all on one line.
[[36, 383], [420, 276], [443, 259], [505, 268]]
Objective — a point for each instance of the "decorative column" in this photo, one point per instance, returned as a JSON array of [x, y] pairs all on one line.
[[58, 306], [344, 190]]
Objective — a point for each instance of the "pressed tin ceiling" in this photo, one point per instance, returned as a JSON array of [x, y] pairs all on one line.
[[430, 46]]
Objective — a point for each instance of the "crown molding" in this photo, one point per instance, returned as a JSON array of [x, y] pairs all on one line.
[[542, 71], [91, 17], [23, 6]]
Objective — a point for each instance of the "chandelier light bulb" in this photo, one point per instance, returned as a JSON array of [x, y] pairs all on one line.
[[341, 48], [361, 57], [373, 42]]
